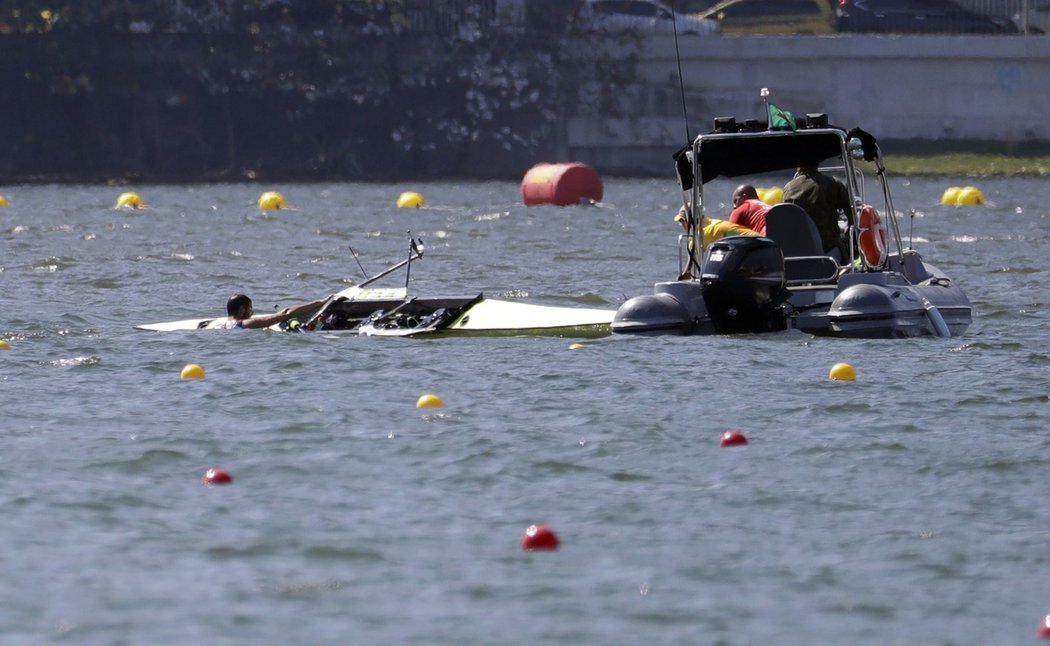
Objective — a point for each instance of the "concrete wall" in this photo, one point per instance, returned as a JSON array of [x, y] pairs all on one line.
[[937, 89]]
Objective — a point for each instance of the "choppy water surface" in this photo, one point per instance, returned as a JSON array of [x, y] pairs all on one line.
[[907, 507]]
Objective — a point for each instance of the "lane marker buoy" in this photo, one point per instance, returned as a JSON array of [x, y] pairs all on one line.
[[772, 195], [410, 200], [130, 201], [4, 345], [577, 346], [539, 537], [193, 371], [216, 476], [272, 201], [842, 372], [733, 438], [3, 202], [969, 196], [429, 400]]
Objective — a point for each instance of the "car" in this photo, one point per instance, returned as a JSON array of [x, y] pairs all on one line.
[[772, 16], [916, 16], [638, 15], [1036, 19]]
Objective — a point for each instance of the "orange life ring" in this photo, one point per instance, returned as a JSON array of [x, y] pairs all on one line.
[[872, 237]]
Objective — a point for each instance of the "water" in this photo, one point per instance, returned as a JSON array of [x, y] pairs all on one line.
[[907, 507]]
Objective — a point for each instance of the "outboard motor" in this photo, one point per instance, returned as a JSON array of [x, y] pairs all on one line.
[[744, 285]]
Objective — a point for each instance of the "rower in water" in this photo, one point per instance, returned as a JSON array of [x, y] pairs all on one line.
[[240, 314]]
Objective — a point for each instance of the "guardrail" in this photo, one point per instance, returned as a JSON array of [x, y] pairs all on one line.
[[1030, 16]]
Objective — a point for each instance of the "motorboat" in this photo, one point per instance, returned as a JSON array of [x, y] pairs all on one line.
[[785, 279], [391, 311]]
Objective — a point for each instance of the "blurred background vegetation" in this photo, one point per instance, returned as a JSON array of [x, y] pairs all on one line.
[[226, 90], [175, 90]]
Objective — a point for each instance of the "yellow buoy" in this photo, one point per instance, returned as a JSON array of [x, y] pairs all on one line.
[[4, 345], [842, 372], [409, 200], [772, 195], [429, 400], [271, 201], [577, 346], [193, 371], [950, 195], [3, 202], [969, 196], [130, 201]]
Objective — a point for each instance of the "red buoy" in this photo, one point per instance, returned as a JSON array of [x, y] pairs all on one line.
[[216, 476], [538, 537], [561, 184], [733, 438], [1044, 628]]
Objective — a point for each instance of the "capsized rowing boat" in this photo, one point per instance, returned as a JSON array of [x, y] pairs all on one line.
[[391, 311], [382, 312]]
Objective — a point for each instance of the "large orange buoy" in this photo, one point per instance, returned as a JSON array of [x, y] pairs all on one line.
[[561, 184]]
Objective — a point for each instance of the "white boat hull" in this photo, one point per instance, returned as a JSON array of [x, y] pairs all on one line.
[[513, 317], [475, 316]]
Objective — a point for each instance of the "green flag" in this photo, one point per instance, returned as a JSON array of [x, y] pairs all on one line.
[[780, 119]]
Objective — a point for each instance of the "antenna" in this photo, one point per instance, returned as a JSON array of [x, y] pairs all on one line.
[[681, 81], [764, 93]]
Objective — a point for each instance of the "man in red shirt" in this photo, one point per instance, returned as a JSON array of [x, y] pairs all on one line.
[[748, 210]]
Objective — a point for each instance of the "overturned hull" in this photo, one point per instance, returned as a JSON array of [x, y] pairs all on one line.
[[480, 316], [390, 313]]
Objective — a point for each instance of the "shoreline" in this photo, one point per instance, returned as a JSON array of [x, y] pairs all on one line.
[[969, 165], [958, 164]]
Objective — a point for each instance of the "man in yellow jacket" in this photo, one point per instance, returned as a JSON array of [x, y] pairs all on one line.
[[713, 229]]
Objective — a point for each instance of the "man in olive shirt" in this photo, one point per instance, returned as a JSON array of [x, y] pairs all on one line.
[[822, 198]]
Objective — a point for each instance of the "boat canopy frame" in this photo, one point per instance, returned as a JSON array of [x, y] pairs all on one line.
[[750, 148]]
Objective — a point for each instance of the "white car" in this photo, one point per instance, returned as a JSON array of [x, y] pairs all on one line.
[[638, 15]]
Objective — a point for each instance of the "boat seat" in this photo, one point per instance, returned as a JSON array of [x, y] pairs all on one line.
[[793, 230], [805, 261], [910, 264]]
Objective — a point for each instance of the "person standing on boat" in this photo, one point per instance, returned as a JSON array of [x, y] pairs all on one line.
[[823, 198], [748, 210], [240, 314]]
